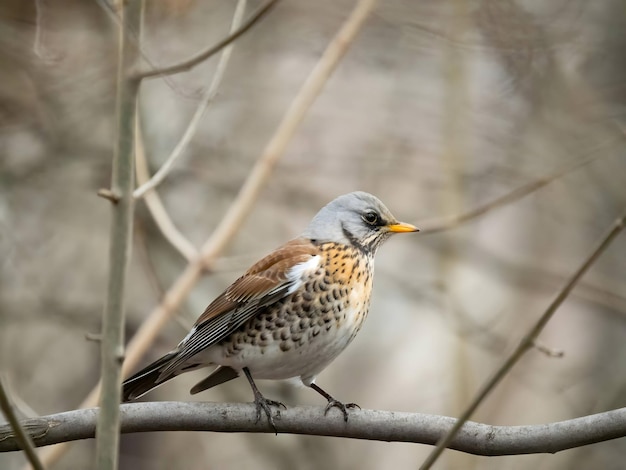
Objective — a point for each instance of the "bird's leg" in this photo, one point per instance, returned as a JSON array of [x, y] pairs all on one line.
[[332, 403], [263, 403]]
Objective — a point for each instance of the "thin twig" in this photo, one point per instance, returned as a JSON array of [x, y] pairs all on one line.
[[240, 207], [122, 180], [112, 10], [96, 337], [204, 55], [388, 426], [155, 206], [208, 97], [454, 159], [526, 343], [434, 226], [23, 440], [549, 352], [41, 43], [39, 29], [106, 193]]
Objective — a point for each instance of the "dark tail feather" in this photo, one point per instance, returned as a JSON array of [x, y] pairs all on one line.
[[147, 378], [218, 376]]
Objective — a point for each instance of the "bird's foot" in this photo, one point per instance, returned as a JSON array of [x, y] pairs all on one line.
[[332, 403], [263, 404]]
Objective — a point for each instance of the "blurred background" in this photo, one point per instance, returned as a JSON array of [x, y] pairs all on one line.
[[437, 108]]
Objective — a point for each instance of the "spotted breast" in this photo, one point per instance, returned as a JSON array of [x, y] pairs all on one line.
[[301, 334]]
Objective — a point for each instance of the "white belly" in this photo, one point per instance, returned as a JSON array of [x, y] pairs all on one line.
[[279, 360]]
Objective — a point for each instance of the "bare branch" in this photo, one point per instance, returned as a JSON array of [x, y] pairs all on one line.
[[549, 352], [209, 96], [155, 206], [526, 343], [21, 437], [41, 43], [451, 222], [109, 195], [112, 345], [389, 426], [39, 28], [112, 9], [204, 55]]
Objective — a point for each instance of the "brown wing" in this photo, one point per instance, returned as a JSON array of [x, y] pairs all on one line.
[[264, 283], [263, 277]]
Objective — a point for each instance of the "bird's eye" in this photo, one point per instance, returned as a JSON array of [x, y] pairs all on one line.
[[371, 218]]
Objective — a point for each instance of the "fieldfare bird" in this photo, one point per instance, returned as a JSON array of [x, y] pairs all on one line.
[[291, 313]]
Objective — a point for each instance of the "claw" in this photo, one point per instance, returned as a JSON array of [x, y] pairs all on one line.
[[263, 403], [332, 403], [343, 407]]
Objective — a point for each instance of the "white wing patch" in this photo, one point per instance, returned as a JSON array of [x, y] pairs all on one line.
[[298, 272]]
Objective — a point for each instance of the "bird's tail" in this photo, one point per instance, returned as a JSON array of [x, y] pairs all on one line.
[[147, 378]]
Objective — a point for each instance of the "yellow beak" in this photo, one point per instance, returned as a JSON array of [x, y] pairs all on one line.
[[401, 227]]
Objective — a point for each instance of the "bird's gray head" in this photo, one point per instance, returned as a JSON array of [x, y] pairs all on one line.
[[358, 219]]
